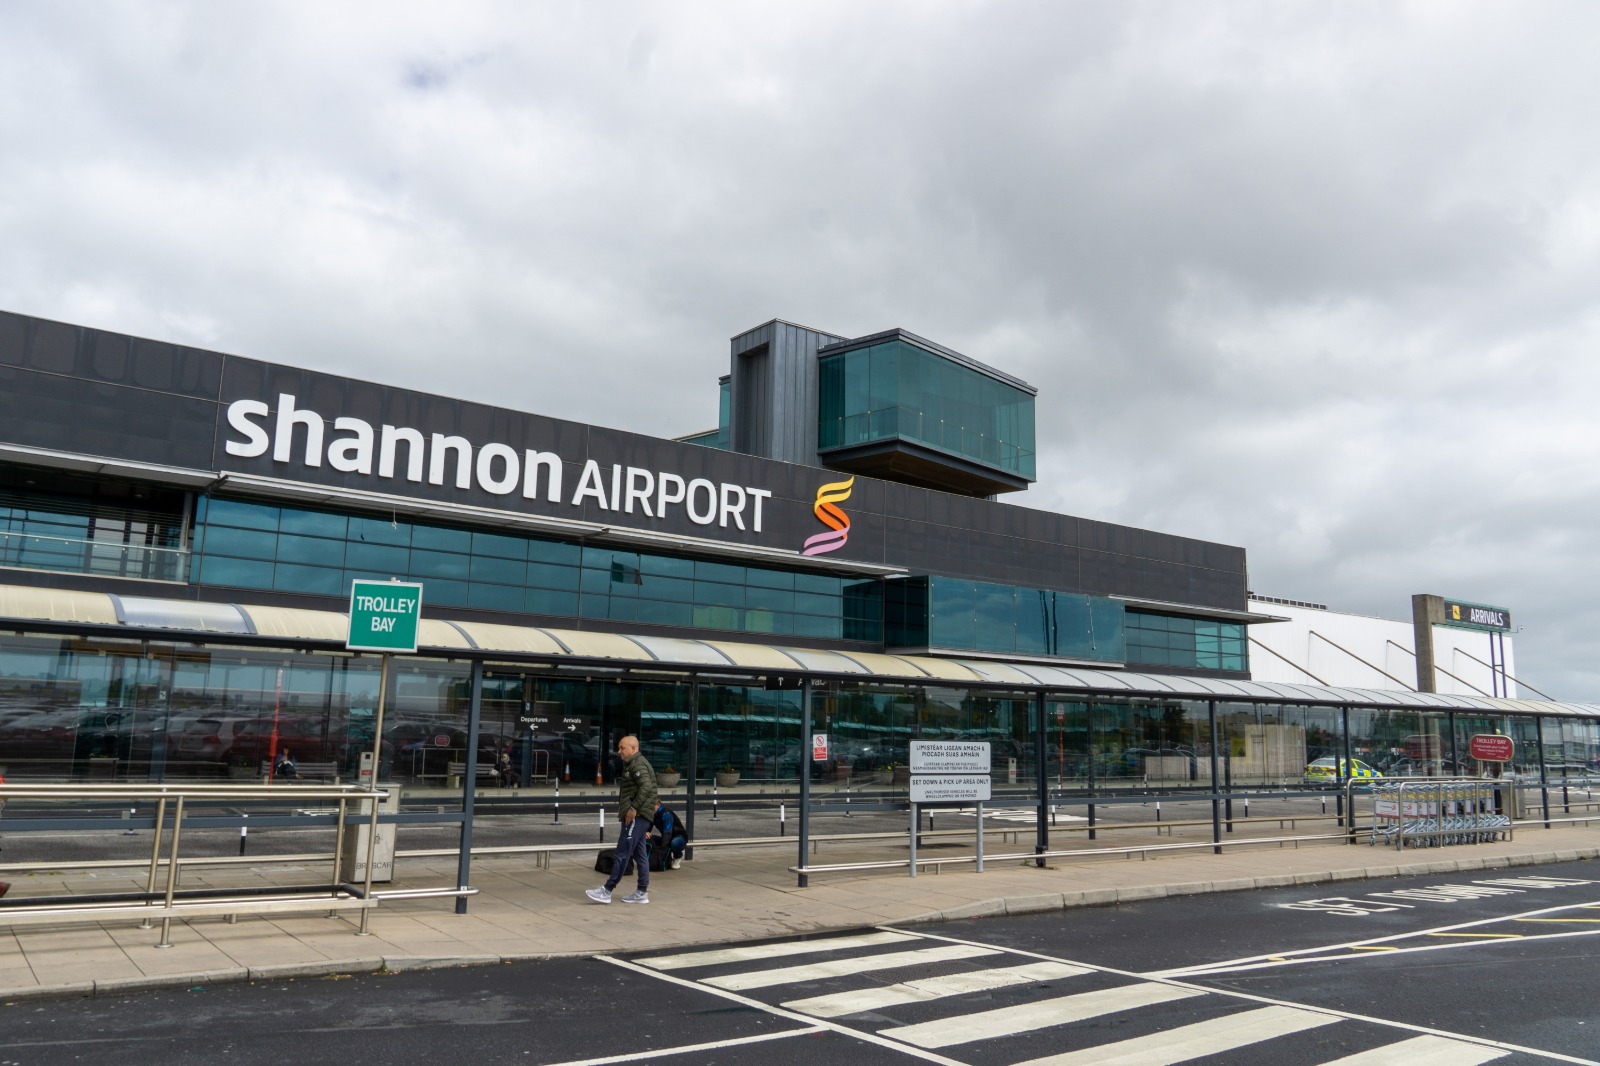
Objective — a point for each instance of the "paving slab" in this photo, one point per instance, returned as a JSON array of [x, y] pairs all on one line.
[[726, 894]]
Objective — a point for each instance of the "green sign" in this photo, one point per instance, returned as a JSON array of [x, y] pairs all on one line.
[[1463, 615], [384, 616]]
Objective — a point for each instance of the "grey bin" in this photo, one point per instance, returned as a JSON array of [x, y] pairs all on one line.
[[353, 859]]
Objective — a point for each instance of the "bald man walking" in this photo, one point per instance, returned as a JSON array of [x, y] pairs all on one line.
[[637, 800]]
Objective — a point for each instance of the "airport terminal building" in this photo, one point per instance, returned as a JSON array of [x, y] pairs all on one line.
[[794, 596]]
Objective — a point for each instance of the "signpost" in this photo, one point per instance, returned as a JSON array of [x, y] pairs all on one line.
[[948, 771], [1491, 747], [384, 617]]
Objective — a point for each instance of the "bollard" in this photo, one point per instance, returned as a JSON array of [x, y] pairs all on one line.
[[557, 819], [244, 834], [713, 799], [783, 818], [1247, 807], [1052, 815], [1158, 810], [133, 812], [602, 824], [1324, 804]]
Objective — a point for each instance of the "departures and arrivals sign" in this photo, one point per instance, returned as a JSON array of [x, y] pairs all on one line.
[[384, 616]]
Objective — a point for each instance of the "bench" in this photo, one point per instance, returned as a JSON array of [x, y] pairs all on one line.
[[308, 771]]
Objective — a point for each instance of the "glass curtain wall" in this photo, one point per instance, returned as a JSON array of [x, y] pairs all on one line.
[[898, 390], [1272, 745], [81, 709]]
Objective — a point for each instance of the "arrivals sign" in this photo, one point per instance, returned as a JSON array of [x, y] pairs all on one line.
[[384, 616], [1491, 747], [1465, 615]]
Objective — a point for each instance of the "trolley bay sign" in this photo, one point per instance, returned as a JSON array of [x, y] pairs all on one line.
[[384, 616]]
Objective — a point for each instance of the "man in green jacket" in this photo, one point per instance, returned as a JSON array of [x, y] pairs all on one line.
[[637, 801]]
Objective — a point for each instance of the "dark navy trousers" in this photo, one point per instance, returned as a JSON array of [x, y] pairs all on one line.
[[634, 843]]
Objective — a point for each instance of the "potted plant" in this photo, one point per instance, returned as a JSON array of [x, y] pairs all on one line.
[[668, 778], [727, 777], [239, 769]]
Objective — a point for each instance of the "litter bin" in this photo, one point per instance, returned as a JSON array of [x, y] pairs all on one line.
[[1510, 800], [353, 859]]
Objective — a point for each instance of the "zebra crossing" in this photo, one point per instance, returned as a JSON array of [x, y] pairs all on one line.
[[947, 1000]]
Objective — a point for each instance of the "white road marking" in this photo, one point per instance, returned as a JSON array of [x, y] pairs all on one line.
[[842, 967], [1388, 1023], [1192, 1041], [1301, 956], [956, 984], [1423, 1051], [1026, 1017], [689, 1049], [772, 951], [778, 1012]]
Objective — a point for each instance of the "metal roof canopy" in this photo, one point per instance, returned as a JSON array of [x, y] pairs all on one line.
[[21, 606]]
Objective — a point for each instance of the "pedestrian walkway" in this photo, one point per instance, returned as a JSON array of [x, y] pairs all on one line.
[[725, 896], [1042, 1005]]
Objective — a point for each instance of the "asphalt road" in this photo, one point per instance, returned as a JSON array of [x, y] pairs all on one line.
[[1452, 969]]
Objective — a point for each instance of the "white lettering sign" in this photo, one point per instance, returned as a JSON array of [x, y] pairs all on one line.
[[296, 433], [949, 788], [949, 756]]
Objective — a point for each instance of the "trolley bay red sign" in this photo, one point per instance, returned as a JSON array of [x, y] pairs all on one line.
[[1491, 747]]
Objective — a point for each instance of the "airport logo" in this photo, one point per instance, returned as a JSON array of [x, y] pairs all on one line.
[[828, 513]]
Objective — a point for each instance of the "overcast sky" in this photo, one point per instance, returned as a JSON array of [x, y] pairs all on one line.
[[1322, 280]]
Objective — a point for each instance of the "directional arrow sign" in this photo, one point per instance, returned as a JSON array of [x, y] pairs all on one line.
[[384, 616]]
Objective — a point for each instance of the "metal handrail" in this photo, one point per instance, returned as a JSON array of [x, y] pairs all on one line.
[[1024, 856], [166, 903]]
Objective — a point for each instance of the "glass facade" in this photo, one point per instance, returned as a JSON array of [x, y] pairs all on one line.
[[77, 529], [82, 708], [944, 613], [716, 438], [1171, 640], [898, 390], [245, 544]]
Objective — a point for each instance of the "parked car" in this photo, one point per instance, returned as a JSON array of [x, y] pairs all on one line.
[[1327, 770]]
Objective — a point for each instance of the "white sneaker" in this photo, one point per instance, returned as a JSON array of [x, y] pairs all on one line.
[[632, 897], [677, 861], [599, 895]]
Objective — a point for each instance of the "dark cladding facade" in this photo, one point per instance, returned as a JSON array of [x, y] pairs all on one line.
[[225, 430], [161, 507]]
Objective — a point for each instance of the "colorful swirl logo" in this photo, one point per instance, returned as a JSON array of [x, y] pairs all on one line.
[[837, 521]]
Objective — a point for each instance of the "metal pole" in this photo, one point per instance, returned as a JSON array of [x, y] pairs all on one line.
[[693, 764], [911, 839], [980, 838], [372, 798], [1216, 803], [805, 775], [377, 723], [172, 874], [1544, 776], [470, 786], [1041, 843], [155, 853], [1088, 727]]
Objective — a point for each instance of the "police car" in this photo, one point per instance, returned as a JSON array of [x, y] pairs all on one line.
[[1326, 770]]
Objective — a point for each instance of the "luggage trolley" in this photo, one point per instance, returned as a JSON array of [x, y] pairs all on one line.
[[1435, 812]]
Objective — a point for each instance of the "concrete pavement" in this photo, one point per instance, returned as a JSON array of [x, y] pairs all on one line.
[[726, 894]]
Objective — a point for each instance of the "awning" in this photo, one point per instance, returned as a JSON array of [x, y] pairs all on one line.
[[99, 612]]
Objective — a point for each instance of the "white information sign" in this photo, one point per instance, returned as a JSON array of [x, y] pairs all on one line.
[[949, 788], [950, 757]]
